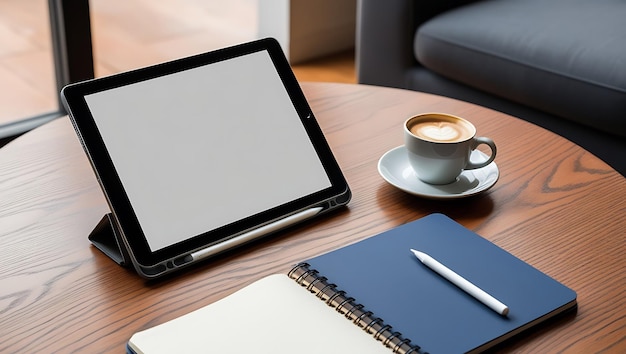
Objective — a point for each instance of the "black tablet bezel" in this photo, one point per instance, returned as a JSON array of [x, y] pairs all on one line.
[[73, 97]]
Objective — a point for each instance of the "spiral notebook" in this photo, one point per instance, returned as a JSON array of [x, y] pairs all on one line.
[[374, 296]]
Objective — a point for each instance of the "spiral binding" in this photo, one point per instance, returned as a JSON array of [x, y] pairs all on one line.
[[342, 303]]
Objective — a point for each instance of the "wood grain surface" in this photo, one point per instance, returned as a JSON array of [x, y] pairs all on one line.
[[555, 206]]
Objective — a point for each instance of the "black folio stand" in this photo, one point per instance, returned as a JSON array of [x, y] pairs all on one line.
[[106, 237]]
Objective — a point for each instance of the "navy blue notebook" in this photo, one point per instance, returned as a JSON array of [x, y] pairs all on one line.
[[402, 300]]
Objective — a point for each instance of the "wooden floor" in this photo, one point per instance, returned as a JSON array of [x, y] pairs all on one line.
[[128, 34]]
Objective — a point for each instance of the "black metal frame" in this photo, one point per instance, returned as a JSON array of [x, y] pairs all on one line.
[[73, 58], [71, 41]]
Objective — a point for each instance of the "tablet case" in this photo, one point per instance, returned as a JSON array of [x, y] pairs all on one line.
[[106, 237]]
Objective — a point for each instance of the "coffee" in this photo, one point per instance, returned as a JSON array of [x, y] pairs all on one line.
[[439, 146], [441, 128]]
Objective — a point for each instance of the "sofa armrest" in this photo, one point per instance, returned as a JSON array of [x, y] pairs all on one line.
[[384, 37]]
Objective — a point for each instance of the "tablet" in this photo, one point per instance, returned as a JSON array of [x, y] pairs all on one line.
[[202, 154]]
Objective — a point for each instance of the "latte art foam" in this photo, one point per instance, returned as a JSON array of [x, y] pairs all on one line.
[[441, 130]]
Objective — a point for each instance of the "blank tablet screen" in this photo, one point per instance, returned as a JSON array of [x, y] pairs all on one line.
[[201, 148]]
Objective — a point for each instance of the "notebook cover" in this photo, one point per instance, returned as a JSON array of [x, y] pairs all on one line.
[[382, 274]]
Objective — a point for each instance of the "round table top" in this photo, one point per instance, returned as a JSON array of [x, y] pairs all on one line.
[[555, 206]]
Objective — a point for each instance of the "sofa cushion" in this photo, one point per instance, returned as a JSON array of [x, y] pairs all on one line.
[[566, 57]]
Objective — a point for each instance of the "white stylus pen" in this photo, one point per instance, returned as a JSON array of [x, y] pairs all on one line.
[[462, 283]]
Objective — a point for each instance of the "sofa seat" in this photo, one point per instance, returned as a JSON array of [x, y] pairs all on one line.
[[572, 65]]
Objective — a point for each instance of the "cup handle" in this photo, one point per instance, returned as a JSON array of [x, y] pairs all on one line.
[[475, 143]]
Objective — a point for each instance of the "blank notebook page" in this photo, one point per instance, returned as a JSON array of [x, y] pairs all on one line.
[[273, 315]]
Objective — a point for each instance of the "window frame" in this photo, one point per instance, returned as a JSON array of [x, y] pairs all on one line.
[[72, 51]]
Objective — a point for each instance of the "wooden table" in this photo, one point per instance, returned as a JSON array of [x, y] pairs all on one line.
[[555, 206]]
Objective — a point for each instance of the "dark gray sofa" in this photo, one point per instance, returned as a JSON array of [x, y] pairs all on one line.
[[560, 64]]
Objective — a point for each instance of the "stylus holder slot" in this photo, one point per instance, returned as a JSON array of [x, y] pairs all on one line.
[[106, 237]]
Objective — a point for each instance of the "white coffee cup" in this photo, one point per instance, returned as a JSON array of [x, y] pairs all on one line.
[[439, 146]]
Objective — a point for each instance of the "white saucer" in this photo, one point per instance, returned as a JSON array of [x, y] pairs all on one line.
[[394, 167]]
